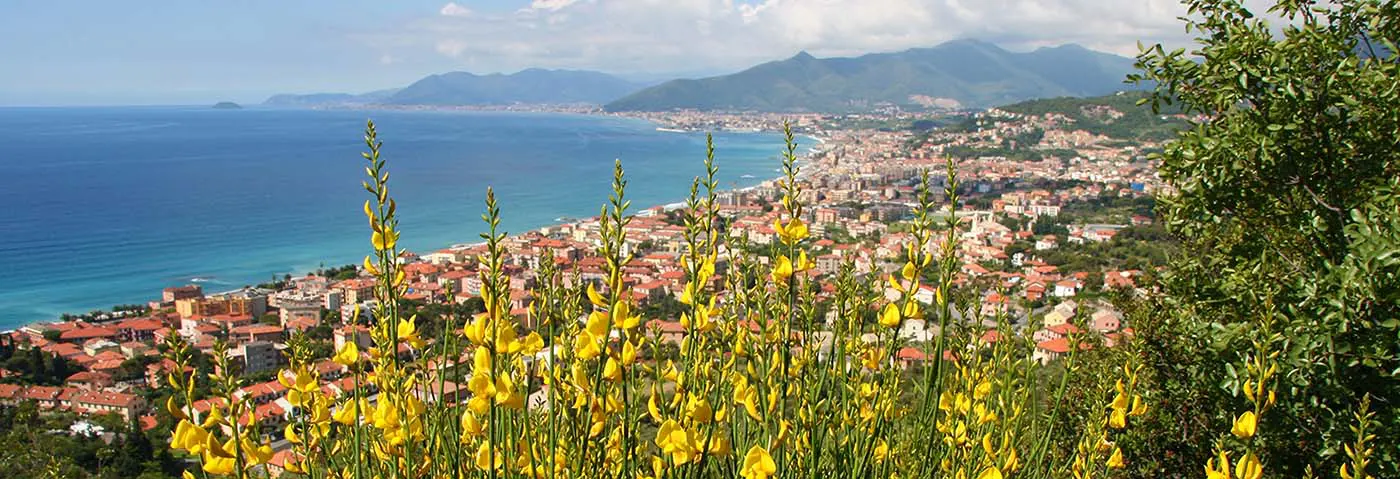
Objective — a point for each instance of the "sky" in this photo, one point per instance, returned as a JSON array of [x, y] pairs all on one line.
[[101, 52]]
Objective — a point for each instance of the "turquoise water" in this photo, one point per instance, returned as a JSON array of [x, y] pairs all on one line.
[[109, 205]]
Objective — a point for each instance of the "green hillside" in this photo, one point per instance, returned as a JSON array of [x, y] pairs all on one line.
[[974, 74], [1114, 116]]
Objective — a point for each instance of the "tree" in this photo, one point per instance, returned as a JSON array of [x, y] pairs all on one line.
[[1286, 195]]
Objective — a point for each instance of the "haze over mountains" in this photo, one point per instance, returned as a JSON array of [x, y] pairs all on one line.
[[956, 74]]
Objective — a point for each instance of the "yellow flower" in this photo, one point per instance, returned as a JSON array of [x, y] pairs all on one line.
[[369, 267], [629, 353], [894, 283], [476, 330], [213, 447], [677, 441], [1012, 462], [348, 355], [1118, 419], [911, 309], [382, 241], [189, 436], [597, 324], [595, 298], [216, 417], [984, 415], [532, 344], [1244, 425], [622, 316], [652, 408], [218, 465], [612, 371], [802, 264], [1120, 401], [485, 457], [991, 472], [290, 433], [783, 270], [758, 464], [889, 316], [720, 446], [174, 409], [983, 389], [688, 294], [347, 412], [1139, 407], [793, 232], [408, 333], [699, 410], [882, 451], [1249, 467], [257, 454], [1219, 470], [747, 396], [586, 346], [471, 426], [1115, 460]]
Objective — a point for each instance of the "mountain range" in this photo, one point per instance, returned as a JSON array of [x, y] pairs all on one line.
[[526, 86], [962, 73], [956, 74], [315, 99]]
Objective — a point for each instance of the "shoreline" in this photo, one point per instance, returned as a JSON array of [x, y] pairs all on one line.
[[214, 279]]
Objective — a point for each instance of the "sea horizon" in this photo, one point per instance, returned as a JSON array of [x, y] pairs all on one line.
[[244, 224]]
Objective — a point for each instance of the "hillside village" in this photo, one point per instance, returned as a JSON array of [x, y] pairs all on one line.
[[1037, 241]]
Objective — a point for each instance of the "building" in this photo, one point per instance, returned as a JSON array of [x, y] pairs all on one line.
[[173, 294], [294, 304], [356, 333], [357, 290], [104, 402], [256, 357], [1066, 288], [191, 307], [1106, 321], [254, 333]]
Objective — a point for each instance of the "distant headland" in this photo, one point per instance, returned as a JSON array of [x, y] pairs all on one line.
[[227, 105]]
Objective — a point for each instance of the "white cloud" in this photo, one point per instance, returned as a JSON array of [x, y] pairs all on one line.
[[689, 35], [452, 9], [451, 48], [551, 5]]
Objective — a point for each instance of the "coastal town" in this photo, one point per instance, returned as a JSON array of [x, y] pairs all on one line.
[[1044, 243]]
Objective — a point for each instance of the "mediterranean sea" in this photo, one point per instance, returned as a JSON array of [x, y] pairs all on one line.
[[107, 206]]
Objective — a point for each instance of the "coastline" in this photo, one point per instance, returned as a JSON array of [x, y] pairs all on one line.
[[218, 278]]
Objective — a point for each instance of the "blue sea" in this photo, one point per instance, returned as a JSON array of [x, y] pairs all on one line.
[[107, 206]]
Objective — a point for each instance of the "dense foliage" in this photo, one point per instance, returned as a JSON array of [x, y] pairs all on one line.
[[35, 445], [1287, 206], [33, 366]]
